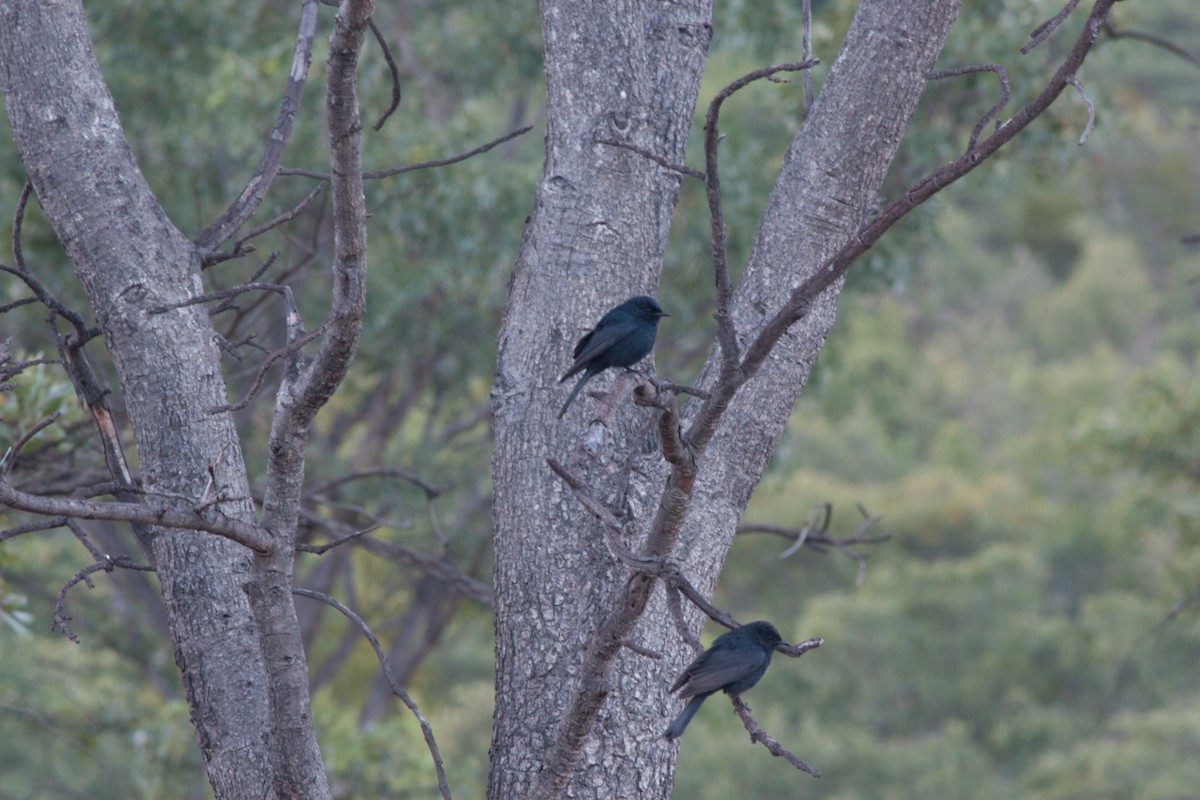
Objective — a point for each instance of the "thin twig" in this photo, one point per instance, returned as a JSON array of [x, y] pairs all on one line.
[[282, 352], [1043, 31], [682, 169], [397, 689], [442, 162], [1113, 32], [10, 455], [1091, 123], [1005, 93], [248, 200], [757, 734], [393, 69]]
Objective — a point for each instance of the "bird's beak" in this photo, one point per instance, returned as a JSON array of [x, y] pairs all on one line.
[[663, 314]]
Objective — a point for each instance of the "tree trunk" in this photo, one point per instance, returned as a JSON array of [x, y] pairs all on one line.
[[131, 260], [596, 236]]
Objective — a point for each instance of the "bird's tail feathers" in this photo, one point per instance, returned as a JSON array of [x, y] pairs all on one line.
[[679, 725], [574, 392]]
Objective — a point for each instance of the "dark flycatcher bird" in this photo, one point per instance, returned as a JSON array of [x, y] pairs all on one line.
[[734, 663], [622, 337]]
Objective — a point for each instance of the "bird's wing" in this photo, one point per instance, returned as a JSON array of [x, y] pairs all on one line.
[[599, 340], [717, 668]]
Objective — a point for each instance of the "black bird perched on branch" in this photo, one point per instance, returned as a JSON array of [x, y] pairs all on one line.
[[734, 663], [622, 337]]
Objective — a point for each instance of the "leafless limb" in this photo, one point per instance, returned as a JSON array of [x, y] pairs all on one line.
[[105, 564], [443, 162], [157, 510], [1091, 123], [757, 734], [32, 527], [990, 114], [321, 550], [248, 200], [10, 455], [82, 331], [1112, 32], [397, 689], [682, 169], [1043, 31], [429, 489], [286, 351], [221, 294], [642, 651], [817, 536], [240, 247], [393, 69], [443, 570], [726, 335]]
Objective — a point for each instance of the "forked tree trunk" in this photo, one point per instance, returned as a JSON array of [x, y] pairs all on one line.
[[596, 236]]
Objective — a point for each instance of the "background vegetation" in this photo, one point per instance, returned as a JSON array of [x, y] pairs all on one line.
[[1012, 387]]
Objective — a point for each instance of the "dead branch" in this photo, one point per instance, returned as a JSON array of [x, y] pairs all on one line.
[[1043, 31], [82, 332], [240, 248], [157, 510], [1091, 123], [288, 350], [990, 114], [248, 200], [757, 734], [106, 564], [10, 455], [32, 527], [393, 69], [726, 335], [442, 162], [397, 689], [1112, 32]]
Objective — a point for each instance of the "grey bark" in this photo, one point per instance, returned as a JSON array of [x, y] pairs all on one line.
[[130, 258], [229, 609], [587, 247]]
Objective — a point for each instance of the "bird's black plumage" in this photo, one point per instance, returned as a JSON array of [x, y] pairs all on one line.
[[734, 663], [622, 337]]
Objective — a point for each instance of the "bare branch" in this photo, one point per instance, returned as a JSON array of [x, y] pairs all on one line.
[[252, 195], [1043, 31], [444, 571], [682, 169], [287, 350], [32, 527], [443, 162], [240, 247], [106, 564], [757, 734], [990, 114], [726, 335], [157, 510], [1091, 123], [397, 689], [393, 69], [321, 550], [1112, 32], [82, 331], [10, 455]]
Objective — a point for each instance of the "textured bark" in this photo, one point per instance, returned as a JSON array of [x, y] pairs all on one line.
[[130, 258], [596, 236], [229, 610], [625, 72]]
